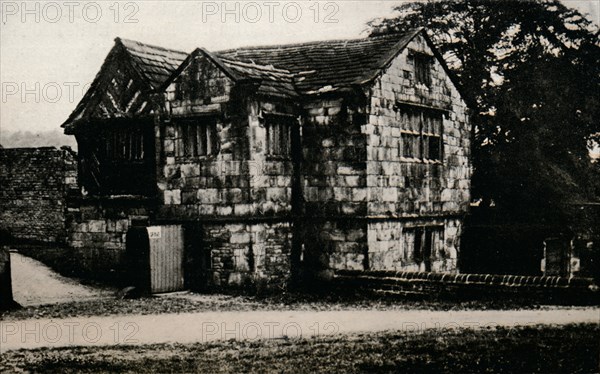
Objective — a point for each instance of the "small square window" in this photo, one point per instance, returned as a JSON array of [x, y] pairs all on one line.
[[197, 138], [278, 138], [423, 69]]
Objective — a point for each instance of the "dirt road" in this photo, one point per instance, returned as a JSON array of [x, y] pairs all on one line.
[[35, 284], [254, 325]]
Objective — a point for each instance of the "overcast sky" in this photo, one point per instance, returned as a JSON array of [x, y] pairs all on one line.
[[50, 51]]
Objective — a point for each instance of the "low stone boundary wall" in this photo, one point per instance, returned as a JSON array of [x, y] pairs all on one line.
[[472, 286]]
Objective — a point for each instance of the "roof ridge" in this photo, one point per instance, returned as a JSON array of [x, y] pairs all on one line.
[[153, 46], [274, 46], [135, 50], [134, 64], [317, 42], [253, 64]]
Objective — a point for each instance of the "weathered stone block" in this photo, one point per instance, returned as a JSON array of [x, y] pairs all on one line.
[[345, 170], [172, 197], [244, 209], [97, 226], [389, 194], [355, 261], [277, 194], [240, 237], [224, 210], [122, 225]]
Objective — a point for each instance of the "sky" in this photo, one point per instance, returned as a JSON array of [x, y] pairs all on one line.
[[50, 51]]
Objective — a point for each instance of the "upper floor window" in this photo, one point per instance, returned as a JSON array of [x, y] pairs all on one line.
[[421, 134], [125, 144], [423, 64], [278, 137], [197, 138]]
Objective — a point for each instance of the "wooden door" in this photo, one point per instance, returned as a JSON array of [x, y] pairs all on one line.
[[166, 258]]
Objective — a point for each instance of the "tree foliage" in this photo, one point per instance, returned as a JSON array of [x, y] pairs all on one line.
[[530, 72]]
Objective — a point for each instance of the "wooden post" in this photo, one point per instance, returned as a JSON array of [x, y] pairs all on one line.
[[6, 297]]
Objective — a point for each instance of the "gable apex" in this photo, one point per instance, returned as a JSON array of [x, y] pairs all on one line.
[[196, 53], [387, 58]]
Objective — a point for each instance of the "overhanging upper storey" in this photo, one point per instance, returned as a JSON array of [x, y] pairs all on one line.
[[124, 85]]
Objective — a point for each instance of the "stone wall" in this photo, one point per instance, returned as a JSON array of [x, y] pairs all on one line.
[[234, 187], [391, 244], [408, 187], [97, 234], [494, 287], [415, 192], [334, 186], [334, 157], [334, 244], [248, 255], [376, 244], [34, 186], [201, 88], [270, 177], [371, 197], [235, 181]]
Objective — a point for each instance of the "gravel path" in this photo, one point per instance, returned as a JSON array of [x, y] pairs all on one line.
[[254, 325], [35, 284]]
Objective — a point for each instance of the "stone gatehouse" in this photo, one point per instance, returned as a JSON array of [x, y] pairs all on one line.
[[278, 162]]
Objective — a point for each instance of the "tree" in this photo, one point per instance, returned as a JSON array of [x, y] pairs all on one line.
[[529, 71]]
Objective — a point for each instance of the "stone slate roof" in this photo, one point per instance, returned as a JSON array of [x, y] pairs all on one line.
[[273, 81], [155, 63], [293, 69], [285, 70], [327, 65], [269, 80]]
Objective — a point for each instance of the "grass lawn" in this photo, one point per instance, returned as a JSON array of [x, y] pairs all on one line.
[[572, 348], [189, 302]]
